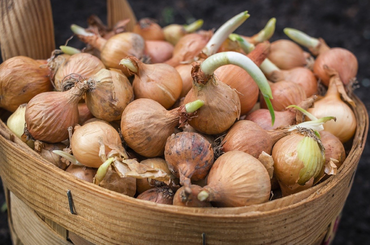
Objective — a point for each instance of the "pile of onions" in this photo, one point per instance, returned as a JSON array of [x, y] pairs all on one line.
[[21, 78], [173, 32]]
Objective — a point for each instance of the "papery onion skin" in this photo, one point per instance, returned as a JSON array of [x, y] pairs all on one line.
[[339, 59], [21, 78], [145, 126], [109, 93], [82, 172], [80, 66], [333, 148], [87, 139], [149, 29], [237, 179], [50, 114], [185, 199], [187, 80], [263, 119], [46, 151]]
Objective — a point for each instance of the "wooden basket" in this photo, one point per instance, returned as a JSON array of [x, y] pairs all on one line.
[[42, 212]]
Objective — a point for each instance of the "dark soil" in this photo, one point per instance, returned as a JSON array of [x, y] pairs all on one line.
[[341, 23]]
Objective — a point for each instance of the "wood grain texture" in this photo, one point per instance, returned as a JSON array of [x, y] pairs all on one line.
[[120, 10], [26, 28], [106, 217]]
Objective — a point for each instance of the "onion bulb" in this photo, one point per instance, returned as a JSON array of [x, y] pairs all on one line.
[[16, 122], [161, 194], [298, 160], [189, 157], [332, 105], [109, 93], [240, 134], [187, 81], [189, 199], [46, 151], [77, 67], [82, 172], [173, 32], [158, 51], [149, 29], [115, 48], [146, 124], [159, 82], [21, 78], [222, 104], [90, 139], [50, 114], [236, 179]]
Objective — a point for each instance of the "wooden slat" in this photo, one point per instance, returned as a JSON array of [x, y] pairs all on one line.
[[26, 28], [120, 10]]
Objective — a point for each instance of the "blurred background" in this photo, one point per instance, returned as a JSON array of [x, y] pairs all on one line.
[[340, 23]]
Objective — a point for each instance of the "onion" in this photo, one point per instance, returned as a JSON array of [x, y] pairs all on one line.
[[339, 59], [298, 160], [109, 93], [146, 124], [173, 32], [222, 104], [240, 134], [263, 35], [78, 67], [115, 48], [285, 93], [187, 81], [159, 82], [286, 54], [21, 78], [236, 179], [331, 104], [89, 139], [189, 199], [46, 151], [239, 79], [189, 157], [161, 194], [299, 75], [50, 114], [149, 29], [82, 172], [16, 122], [84, 113], [188, 47], [158, 51]]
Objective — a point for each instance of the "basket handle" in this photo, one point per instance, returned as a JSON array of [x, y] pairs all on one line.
[[26, 29], [27, 26]]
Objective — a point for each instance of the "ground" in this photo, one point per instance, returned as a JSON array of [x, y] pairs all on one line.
[[341, 23]]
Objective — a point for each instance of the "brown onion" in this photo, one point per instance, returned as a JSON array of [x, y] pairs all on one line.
[[239, 79], [188, 47], [187, 80], [149, 29], [159, 82], [298, 160], [78, 67], [84, 113], [109, 93], [236, 179], [161, 194], [287, 54], [173, 32], [82, 172], [115, 48], [159, 51], [249, 137], [146, 125], [46, 151], [50, 114], [189, 199], [339, 59], [332, 105], [285, 93], [21, 78], [189, 156], [87, 140]]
